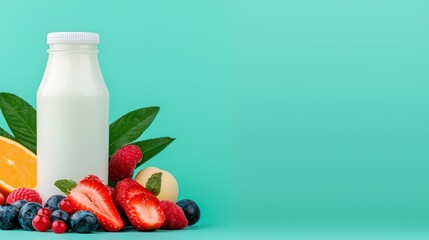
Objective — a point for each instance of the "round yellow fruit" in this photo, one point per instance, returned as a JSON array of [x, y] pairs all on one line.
[[169, 187]]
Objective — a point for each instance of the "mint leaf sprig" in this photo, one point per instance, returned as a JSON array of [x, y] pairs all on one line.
[[65, 185], [153, 184]]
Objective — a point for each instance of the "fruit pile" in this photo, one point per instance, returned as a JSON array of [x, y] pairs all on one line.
[[147, 203], [90, 204]]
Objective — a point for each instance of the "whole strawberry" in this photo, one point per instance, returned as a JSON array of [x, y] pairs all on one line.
[[123, 162], [24, 194]]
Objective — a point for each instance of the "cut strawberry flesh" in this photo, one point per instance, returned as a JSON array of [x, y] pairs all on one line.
[[94, 197], [127, 188], [145, 212], [134, 190]]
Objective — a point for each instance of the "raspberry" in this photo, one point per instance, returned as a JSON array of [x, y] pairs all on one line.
[[59, 227], [24, 194], [1, 199], [175, 217], [123, 162], [129, 152]]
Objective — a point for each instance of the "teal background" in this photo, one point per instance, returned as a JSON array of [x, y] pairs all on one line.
[[292, 118]]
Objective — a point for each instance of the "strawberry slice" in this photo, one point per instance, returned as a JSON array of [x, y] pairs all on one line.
[[93, 196], [145, 212], [92, 177], [127, 188]]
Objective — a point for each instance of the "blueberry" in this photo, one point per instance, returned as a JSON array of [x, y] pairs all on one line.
[[61, 215], [18, 204], [191, 210], [83, 222], [26, 215], [53, 202], [8, 217]]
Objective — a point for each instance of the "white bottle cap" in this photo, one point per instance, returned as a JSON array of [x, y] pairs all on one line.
[[73, 37]]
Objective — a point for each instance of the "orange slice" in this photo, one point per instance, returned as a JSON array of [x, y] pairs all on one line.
[[18, 166]]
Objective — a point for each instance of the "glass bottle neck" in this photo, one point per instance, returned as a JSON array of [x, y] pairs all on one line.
[[73, 47]]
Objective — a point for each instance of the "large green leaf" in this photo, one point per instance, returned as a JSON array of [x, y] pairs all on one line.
[[21, 118], [152, 147], [5, 134], [130, 126]]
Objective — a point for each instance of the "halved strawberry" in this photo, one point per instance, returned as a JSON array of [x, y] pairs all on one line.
[[145, 212], [93, 196], [125, 189], [92, 177]]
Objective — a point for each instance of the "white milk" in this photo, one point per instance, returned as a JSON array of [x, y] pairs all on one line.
[[72, 113]]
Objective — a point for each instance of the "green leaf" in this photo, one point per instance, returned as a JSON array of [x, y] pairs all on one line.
[[154, 183], [65, 185], [21, 118], [152, 147], [130, 126], [5, 134]]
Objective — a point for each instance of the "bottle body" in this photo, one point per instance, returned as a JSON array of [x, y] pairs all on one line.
[[72, 118]]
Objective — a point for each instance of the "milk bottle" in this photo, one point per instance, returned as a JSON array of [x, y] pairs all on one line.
[[72, 113]]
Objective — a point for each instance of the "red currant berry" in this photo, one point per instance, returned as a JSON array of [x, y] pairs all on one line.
[[44, 211], [41, 223], [59, 227], [67, 206]]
